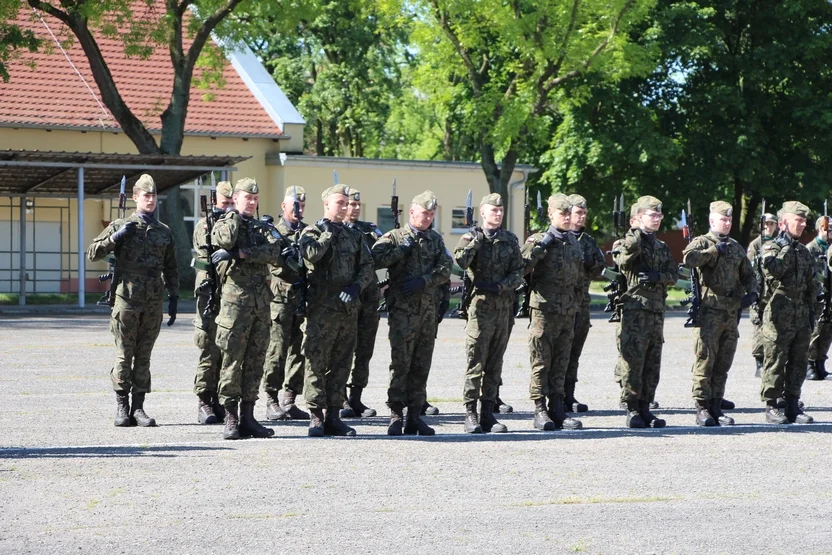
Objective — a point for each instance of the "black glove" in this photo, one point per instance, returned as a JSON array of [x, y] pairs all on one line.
[[722, 247], [173, 306], [748, 299], [547, 240], [125, 231], [349, 293], [407, 243], [267, 219], [487, 286], [222, 254], [649, 277], [324, 225], [477, 234], [443, 307], [413, 286], [784, 240], [291, 252]]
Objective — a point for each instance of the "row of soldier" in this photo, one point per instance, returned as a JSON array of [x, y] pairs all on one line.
[[297, 310]]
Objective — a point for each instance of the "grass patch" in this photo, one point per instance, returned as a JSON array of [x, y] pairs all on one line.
[[13, 299]]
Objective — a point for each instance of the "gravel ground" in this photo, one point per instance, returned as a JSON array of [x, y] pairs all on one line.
[[72, 482]]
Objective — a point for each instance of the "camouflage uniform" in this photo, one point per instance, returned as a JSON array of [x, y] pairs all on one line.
[[821, 337], [756, 312], [724, 280], [208, 366], [368, 316]]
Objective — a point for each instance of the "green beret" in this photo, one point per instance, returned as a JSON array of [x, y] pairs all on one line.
[[355, 195], [648, 203], [722, 207], [577, 201], [336, 190], [426, 200], [295, 191], [769, 217], [145, 183], [634, 211], [795, 207], [247, 185], [560, 202], [494, 199], [224, 188]]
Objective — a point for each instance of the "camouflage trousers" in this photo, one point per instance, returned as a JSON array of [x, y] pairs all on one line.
[[486, 338], [207, 375], [757, 340], [284, 363], [550, 342], [134, 329], [582, 325], [786, 330], [716, 344], [820, 341], [242, 336], [412, 339], [368, 320], [640, 360], [328, 347]]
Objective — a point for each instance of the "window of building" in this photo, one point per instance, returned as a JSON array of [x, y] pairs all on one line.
[[458, 221], [384, 218]]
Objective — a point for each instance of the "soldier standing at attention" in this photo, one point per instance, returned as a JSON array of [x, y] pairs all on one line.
[[756, 310], [145, 267], [418, 263], [555, 261], [728, 285], [246, 248], [284, 364], [650, 269], [206, 381], [492, 255], [822, 334], [593, 263], [789, 271], [368, 318], [340, 267]]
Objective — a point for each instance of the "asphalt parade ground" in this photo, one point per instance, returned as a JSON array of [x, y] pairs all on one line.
[[70, 482]]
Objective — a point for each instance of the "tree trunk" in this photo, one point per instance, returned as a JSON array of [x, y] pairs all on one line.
[[750, 219], [739, 192], [319, 138], [498, 176]]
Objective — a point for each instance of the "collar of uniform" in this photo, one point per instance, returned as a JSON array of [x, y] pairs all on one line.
[[415, 232], [290, 225], [713, 236], [823, 244]]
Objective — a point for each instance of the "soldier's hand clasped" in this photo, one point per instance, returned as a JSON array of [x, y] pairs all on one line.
[[722, 247], [349, 293], [124, 232], [407, 243], [413, 286], [547, 240], [173, 308], [222, 255], [324, 225], [749, 299], [649, 277]]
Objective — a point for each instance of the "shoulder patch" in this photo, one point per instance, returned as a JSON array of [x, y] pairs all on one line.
[[467, 237], [377, 231]]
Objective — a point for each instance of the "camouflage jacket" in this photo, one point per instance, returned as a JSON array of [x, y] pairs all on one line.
[[200, 248], [593, 259], [496, 259], [428, 259], [556, 273], [753, 256], [145, 260], [634, 254], [819, 251], [371, 233], [245, 280], [724, 279], [790, 270], [285, 282], [334, 260]]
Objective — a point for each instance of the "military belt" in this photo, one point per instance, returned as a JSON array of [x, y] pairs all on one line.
[[247, 279], [721, 291], [132, 268], [794, 294]]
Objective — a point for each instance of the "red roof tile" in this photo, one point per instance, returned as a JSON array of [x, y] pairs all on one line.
[[53, 95]]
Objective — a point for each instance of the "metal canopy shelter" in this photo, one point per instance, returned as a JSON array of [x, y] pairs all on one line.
[[26, 173]]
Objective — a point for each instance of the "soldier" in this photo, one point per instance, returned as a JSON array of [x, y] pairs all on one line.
[[145, 266], [339, 269], [284, 359], [368, 318], [822, 334], [418, 263], [246, 247], [555, 261], [593, 263], [756, 310], [650, 269], [206, 381], [789, 271], [492, 256], [728, 285]]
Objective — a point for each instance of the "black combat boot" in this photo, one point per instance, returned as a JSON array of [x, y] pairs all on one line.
[[415, 424], [541, 417], [316, 423], [794, 413], [816, 370], [774, 414], [346, 410], [650, 419], [758, 362], [232, 422], [634, 419], [559, 416], [334, 426], [721, 418], [291, 409], [725, 404], [396, 425], [122, 419], [703, 414], [501, 408], [428, 410], [219, 410], [205, 410], [487, 420], [273, 409], [653, 405], [137, 413], [249, 426], [472, 420], [358, 408], [570, 404]]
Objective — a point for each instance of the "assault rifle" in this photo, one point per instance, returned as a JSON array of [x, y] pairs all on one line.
[[211, 284], [109, 298], [525, 289], [758, 263], [461, 311], [617, 282], [300, 310], [394, 207], [826, 313], [695, 292]]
